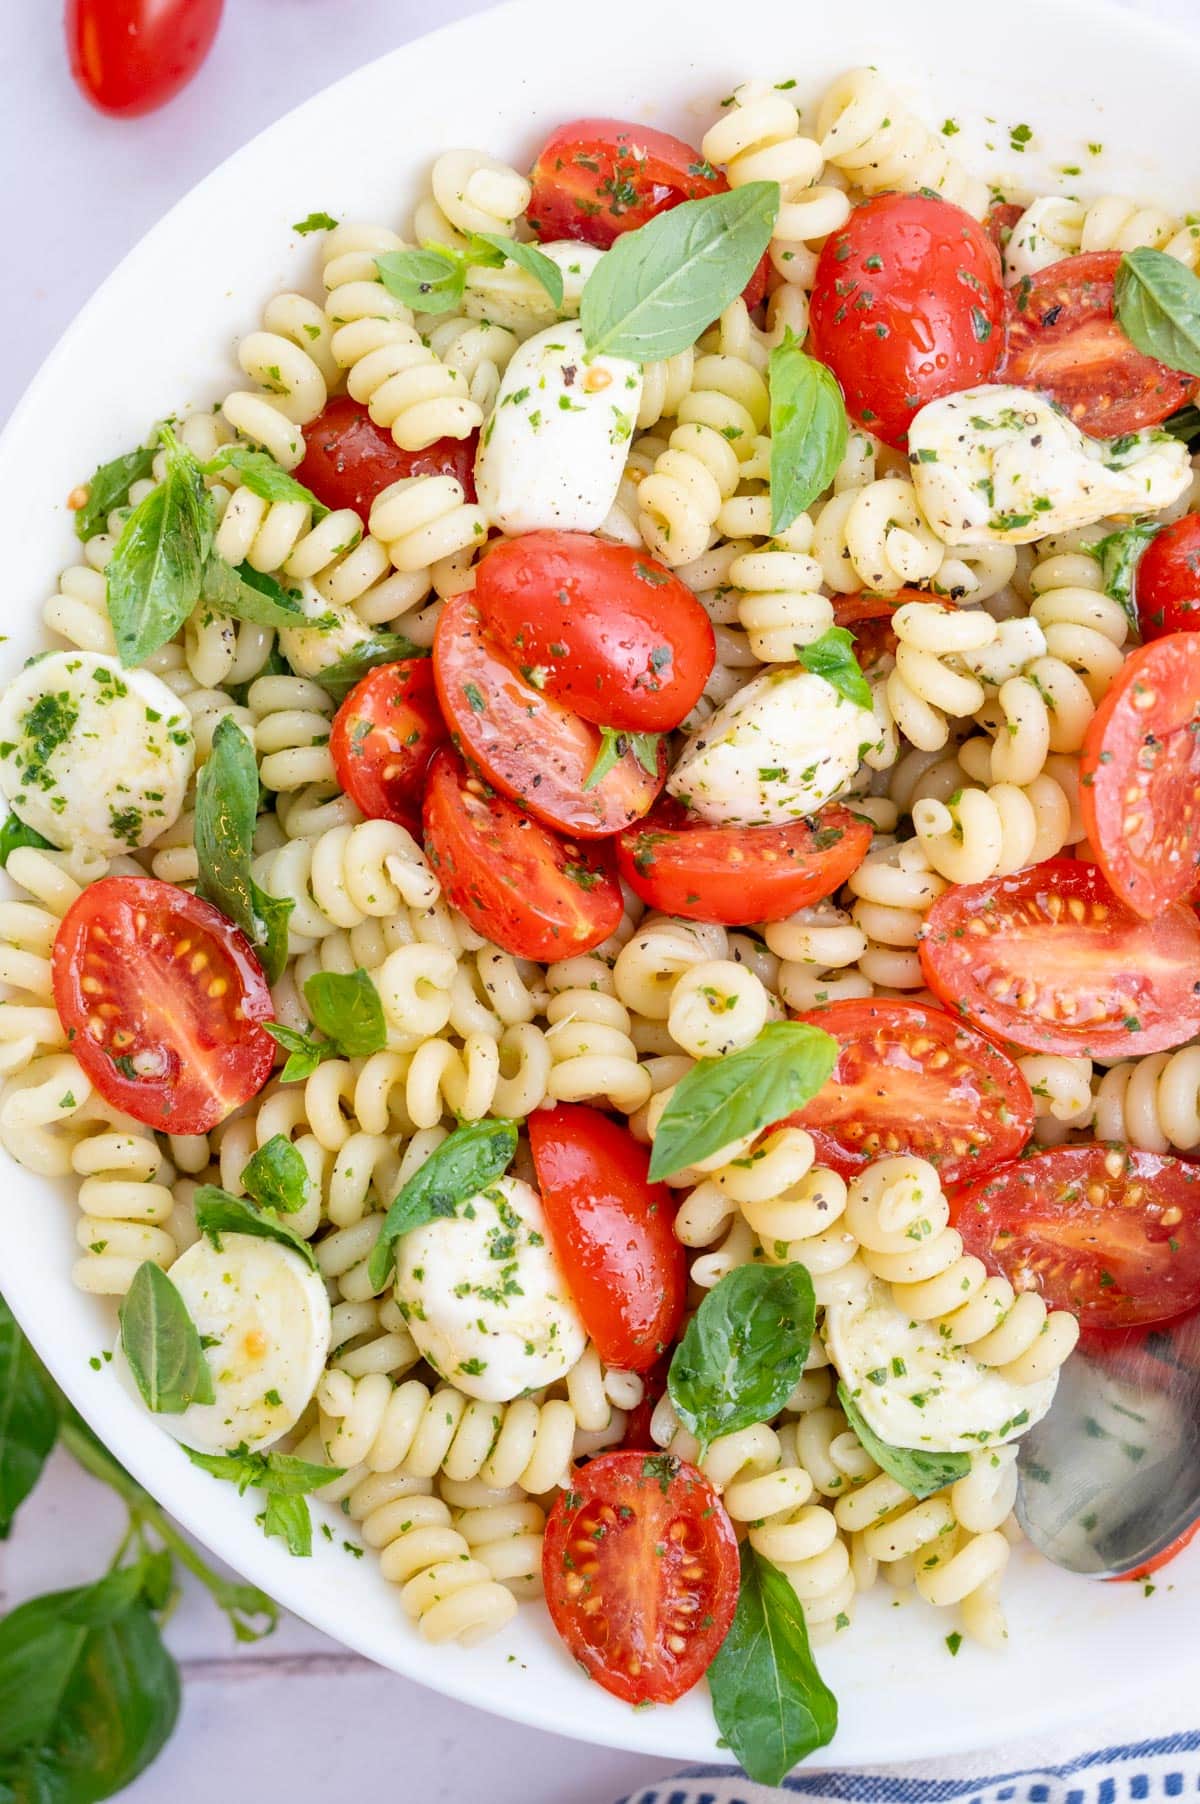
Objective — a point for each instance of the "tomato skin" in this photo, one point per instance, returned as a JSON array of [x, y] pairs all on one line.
[[910, 1079], [383, 737], [869, 618], [1063, 338], [999, 223], [529, 746], [612, 1231], [130, 56], [908, 305], [1140, 771], [531, 892], [619, 1542], [1109, 1232], [1056, 933], [613, 634], [737, 876], [596, 178], [1167, 585], [213, 1055], [348, 459]]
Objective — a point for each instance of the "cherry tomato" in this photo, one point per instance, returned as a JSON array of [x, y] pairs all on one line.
[[1052, 960], [164, 1000], [532, 893], [737, 876], [637, 1436], [908, 305], [1167, 585], [601, 627], [348, 459], [1165, 1557], [909, 1079], [1063, 338], [1140, 769], [640, 1564], [130, 56], [382, 739], [612, 1231], [999, 223], [527, 745], [1109, 1232], [869, 618]]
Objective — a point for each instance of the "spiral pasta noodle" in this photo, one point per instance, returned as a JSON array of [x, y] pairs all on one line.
[[758, 139], [865, 131], [719, 420]]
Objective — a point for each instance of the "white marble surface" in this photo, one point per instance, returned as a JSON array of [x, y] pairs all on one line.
[[294, 1718]]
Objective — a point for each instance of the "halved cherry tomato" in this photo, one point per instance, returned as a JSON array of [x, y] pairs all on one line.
[[1165, 1557], [348, 459], [1109, 1232], [910, 1079], [532, 893], [908, 305], [1063, 338], [1167, 585], [601, 627], [640, 1564], [530, 747], [869, 618], [612, 1231], [999, 222], [1140, 769], [382, 739], [1052, 960], [130, 56], [164, 1000], [737, 876]]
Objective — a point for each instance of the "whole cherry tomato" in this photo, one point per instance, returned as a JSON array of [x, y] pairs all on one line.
[[130, 56]]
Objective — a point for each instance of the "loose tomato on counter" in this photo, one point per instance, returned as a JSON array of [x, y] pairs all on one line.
[[130, 56], [1167, 584], [383, 737], [348, 459]]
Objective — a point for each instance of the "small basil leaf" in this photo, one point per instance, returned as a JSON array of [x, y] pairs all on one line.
[[304, 1053], [466, 1162], [226, 815], [658, 287], [315, 222], [1157, 302], [1120, 553], [109, 489], [614, 744], [832, 657], [381, 648], [920, 1472], [721, 1100], [13, 835], [219, 1213], [277, 1177], [428, 281], [346, 1007], [154, 576], [259, 472], [743, 1351], [527, 256], [808, 430], [247, 594], [162, 1345], [28, 1417], [771, 1704], [288, 1518]]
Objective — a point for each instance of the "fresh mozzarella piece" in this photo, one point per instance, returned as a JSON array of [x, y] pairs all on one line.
[[310, 650], [1047, 231], [483, 1298], [553, 452], [513, 298], [1002, 465], [1017, 643], [93, 756], [914, 1389], [780, 748]]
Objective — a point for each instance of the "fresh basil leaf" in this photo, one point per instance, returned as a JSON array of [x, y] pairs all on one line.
[[527, 257], [347, 1009], [277, 1177], [466, 1162], [1157, 303], [109, 489], [286, 1481], [259, 473], [428, 281], [13, 835], [381, 648], [808, 430], [28, 1417], [315, 222], [287, 1476], [614, 743], [246, 594], [1120, 553], [832, 657], [154, 576], [219, 1213], [1185, 425], [654, 292], [304, 1053], [743, 1351], [721, 1100], [288, 1518], [771, 1704], [920, 1472], [162, 1345], [226, 816]]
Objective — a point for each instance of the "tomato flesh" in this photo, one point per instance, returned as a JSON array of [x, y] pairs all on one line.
[[130, 56], [383, 737], [348, 459], [1109, 1232], [1051, 960], [869, 618], [165, 1002], [1140, 768], [1168, 580], [602, 627], [612, 1232], [640, 1564]]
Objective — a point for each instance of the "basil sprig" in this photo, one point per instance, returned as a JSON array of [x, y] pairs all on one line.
[[1120, 553], [832, 657], [347, 1009], [654, 292], [433, 279], [258, 471], [28, 1418], [721, 1100], [219, 1213], [162, 1344], [381, 648], [109, 489], [156, 573], [771, 1704], [466, 1162], [614, 743], [918, 1471], [808, 430], [13, 835], [226, 814], [744, 1350], [1157, 302], [285, 1481]]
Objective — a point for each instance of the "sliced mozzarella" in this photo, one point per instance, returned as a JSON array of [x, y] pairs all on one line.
[[338, 632], [1003, 466], [780, 748], [1047, 231], [485, 1301], [914, 1389], [92, 755], [553, 452], [513, 298]]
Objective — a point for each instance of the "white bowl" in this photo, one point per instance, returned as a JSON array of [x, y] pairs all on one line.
[[158, 338]]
